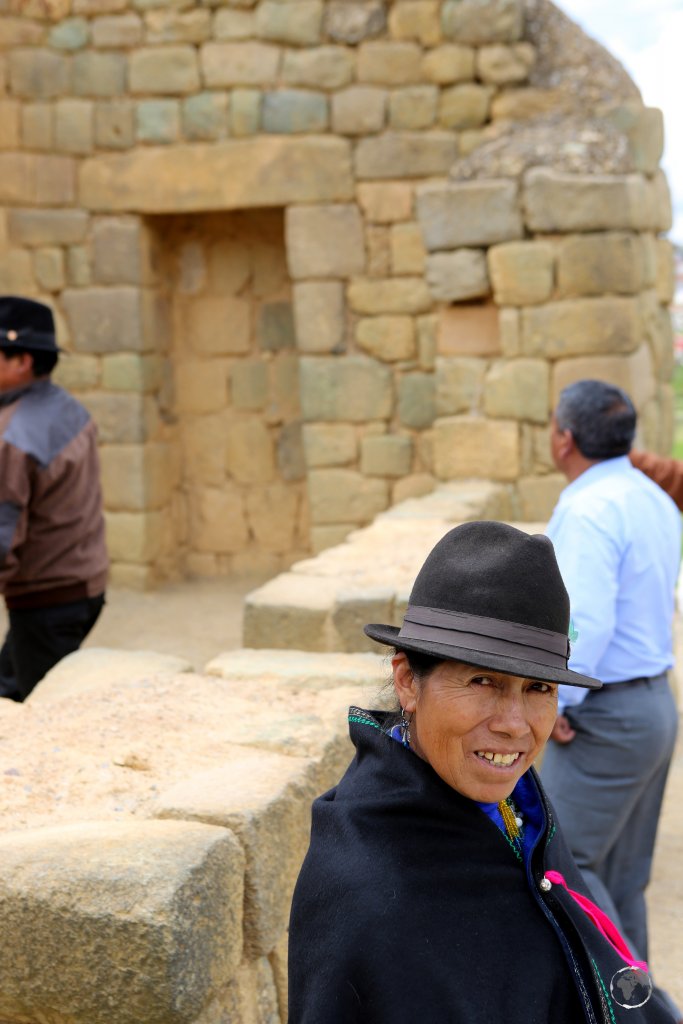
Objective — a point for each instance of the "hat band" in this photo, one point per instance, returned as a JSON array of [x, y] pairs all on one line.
[[485, 635]]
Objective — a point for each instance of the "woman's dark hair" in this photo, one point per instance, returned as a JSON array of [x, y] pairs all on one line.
[[43, 362], [601, 418], [421, 665]]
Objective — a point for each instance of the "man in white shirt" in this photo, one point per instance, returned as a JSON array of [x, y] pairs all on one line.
[[617, 537]]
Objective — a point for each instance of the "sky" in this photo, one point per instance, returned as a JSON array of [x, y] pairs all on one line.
[[647, 37]]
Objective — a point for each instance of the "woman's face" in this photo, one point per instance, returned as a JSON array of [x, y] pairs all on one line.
[[479, 730]]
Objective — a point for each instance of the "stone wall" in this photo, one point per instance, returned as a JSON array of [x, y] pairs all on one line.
[[472, 216]]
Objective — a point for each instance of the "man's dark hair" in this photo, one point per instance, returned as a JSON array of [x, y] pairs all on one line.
[[43, 362], [601, 417]]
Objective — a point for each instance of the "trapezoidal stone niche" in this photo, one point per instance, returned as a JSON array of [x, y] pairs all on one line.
[[471, 215]]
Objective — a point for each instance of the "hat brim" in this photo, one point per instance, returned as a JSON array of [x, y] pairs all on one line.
[[498, 662]]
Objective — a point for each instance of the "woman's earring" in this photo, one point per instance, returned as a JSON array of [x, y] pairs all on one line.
[[405, 728]]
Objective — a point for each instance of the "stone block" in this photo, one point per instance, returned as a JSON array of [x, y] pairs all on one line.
[[218, 520], [556, 201], [389, 338], [295, 608], [167, 26], [117, 31], [464, 106], [414, 486], [385, 202], [19, 31], [74, 126], [373, 296], [163, 69], [103, 319], [644, 131], [16, 272], [510, 327], [231, 24], [125, 371], [413, 107], [319, 316], [389, 455], [217, 325], [416, 400], [203, 386], [78, 270], [291, 464], [154, 938], [28, 179], [248, 63], [99, 74], [95, 7], [468, 213], [479, 22], [353, 608], [459, 275], [459, 385], [522, 273], [38, 74], [634, 373], [505, 65], [350, 21], [323, 537], [468, 330], [114, 124], [47, 227], [250, 452], [297, 22], [245, 111], [203, 447], [472, 447], [157, 121], [518, 389], [77, 373], [581, 327], [389, 63], [538, 496], [294, 110], [48, 269], [37, 126], [408, 254], [283, 373], [329, 444], [146, 471], [416, 20], [324, 67], [205, 116], [120, 417], [528, 102], [309, 231], [123, 251], [450, 63], [353, 390], [377, 251], [359, 110], [426, 341], [344, 496], [665, 271], [273, 513], [275, 330], [10, 121], [249, 385], [593, 264], [406, 155]]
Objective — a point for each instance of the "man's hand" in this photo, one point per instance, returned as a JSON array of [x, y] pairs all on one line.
[[562, 730]]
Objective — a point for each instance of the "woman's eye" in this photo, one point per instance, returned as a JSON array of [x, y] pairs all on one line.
[[543, 687], [482, 680]]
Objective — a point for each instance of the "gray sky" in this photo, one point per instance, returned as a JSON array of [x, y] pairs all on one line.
[[647, 37]]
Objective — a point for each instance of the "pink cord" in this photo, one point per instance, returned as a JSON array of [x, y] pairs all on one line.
[[601, 922]]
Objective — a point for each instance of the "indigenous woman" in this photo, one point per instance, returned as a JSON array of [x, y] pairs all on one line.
[[438, 888]]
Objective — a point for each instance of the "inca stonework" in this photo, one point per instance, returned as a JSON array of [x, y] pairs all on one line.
[[313, 257]]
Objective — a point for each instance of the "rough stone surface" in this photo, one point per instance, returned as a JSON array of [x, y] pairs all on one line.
[[593, 264], [241, 63], [448, 64], [518, 389], [393, 295], [359, 110], [297, 22], [345, 496], [385, 202], [355, 389], [347, 21], [328, 444], [459, 385], [483, 21], [309, 231], [459, 275], [473, 447], [555, 201], [47, 227], [389, 338], [468, 214], [581, 327], [416, 400], [522, 273], [405, 155], [389, 456], [294, 111], [168, 69], [469, 330], [464, 106], [325, 67], [319, 316]]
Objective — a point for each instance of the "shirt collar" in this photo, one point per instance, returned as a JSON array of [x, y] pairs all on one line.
[[598, 471]]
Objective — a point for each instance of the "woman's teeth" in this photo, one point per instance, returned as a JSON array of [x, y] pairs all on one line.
[[504, 759]]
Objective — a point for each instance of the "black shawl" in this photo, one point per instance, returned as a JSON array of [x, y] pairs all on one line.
[[411, 907]]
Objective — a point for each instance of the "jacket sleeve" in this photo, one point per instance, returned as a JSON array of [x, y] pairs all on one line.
[[668, 473], [15, 493]]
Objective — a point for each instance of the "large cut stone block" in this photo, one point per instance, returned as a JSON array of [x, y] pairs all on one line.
[[386, 455], [416, 407], [163, 69], [354, 390], [142, 917], [459, 385], [522, 273], [459, 275], [389, 338], [122, 251], [518, 389], [416, 19], [47, 227], [353, 608], [344, 496], [581, 327], [471, 329], [38, 74], [538, 496], [471, 446], [324, 67], [351, 21], [319, 316], [297, 22], [324, 241], [406, 155], [218, 520], [465, 106], [556, 201], [250, 452], [371, 296], [634, 373], [593, 264], [291, 111], [99, 74], [146, 470], [329, 444], [108, 319], [469, 213], [242, 63], [30, 179], [483, 21], [295, 608], [448, 64], [231, 175], [389, 63], [359, 110]]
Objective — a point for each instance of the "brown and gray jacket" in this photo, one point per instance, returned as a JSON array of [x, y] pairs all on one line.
[[52, 539]]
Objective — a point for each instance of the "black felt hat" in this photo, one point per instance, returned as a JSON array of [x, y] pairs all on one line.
[[26, 324], [490, 595]]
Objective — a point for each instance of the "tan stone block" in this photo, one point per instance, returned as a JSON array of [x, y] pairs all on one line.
[[468, 330], [250, 452], [9, 124], [385, 202], [352, 390], [37, 125], [324, 67], [218, 520], [521, 272], [201, 386], [406, 155], [217, 325], [537, 455], [581, 327], [77, 373], [203, 440], [163, 70], [74, 126], [389, 455], [121, 418], [78, 269], [359, 110], [48, 269], [117, 31], [133, 537], [371, 296], [448, 64], [299, 22], [353, 608], [99, 6], [413, 107], [389, 338], [99, 74], [556, 201], [459, 385], [426, 341], [19, 31], [538, 496], [323, 537], [414, 486], [459, 275], [125, 371], [236, 174], [191, 26], [474, 447], [47, 227], [319, 316], [329, 444], [38, 74], [377, 249], [593, 264], [527, 103], [389, 63], [465, 106], [230, 24], [665, 271], [147, 474], [408, 253], [518, 389], [123, 251], [272, 514], [241, 63], [505, 65], [468, 213], [308, 233], [634, 373], [28, 179], [295, 608], [483, 21], [416, 19], [510, 327], [16, 272], [102, 319], [114, 124], [343, 496]]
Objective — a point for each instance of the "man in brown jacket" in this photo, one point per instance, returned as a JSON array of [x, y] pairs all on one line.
[[53, 558]]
